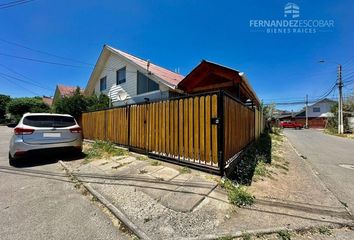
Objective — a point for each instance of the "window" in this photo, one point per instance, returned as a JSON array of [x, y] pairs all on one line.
[[49, 121], [121, 76], [103, 84], [316, 109], [145, 84]]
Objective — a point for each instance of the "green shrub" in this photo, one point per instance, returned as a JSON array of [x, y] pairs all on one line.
[[324, 230]]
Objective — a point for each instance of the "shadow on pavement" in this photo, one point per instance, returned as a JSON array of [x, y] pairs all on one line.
[[47, 157]]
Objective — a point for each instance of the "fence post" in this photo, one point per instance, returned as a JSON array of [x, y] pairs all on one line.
[[221, 160]]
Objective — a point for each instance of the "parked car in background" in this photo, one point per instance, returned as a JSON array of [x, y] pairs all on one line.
[[291, 124], [44, 131]]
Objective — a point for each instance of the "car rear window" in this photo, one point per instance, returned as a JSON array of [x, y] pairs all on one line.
[[49, 121]]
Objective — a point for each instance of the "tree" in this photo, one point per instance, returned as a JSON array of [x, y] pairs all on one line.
[[4, 100], [348, 109], [73, 105], [19, 106], [78, 103]]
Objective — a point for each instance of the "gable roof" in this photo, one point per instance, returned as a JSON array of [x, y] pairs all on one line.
[[210, 76], [326, 100], [168, 77]]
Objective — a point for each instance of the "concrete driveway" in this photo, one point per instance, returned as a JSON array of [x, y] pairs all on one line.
[[332, 159], [38, 202]]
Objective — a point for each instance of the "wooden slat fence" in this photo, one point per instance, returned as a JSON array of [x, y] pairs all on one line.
[[186, 129]]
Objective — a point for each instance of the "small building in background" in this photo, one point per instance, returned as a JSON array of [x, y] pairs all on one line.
[[48, 100], [318, 114], [64, 91]]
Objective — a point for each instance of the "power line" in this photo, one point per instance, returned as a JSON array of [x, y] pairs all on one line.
[[14, 3], [24, 76], [24, 81], [20, 86]]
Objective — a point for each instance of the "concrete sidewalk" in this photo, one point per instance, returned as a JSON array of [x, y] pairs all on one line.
[[167, 202]]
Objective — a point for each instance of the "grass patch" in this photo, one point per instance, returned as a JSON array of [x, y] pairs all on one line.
[[104, 149], [225, 238], [261, 169], [184, 170], [238, 195], [324, 230], [155, 163], [142, 158], [284, 235]]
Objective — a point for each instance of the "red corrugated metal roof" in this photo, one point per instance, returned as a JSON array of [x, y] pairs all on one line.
[[67, 90], [163, 73], [47, 100]]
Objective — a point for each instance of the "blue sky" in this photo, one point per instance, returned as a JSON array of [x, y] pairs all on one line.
[[177, 34]]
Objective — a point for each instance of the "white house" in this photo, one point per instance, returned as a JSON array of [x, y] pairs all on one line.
[[318, 113], [320, 109], [128, 79]]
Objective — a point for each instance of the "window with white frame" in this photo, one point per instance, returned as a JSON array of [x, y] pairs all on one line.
[[145, 84]]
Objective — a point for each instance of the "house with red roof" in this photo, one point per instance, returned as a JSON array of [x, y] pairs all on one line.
[[64, 91], [129, 79]]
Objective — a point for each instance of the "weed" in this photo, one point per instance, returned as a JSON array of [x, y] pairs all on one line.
[[120, 165], [324, 230], [246, 236], [142, 171], [228, 237], [160, 179], [102, 148], [94, 199], [238, 195], [284, 235], [141, 158], [155, 163], [261, 169], [184, 170]]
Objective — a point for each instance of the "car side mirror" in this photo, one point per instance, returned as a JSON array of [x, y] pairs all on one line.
[[12, 125]]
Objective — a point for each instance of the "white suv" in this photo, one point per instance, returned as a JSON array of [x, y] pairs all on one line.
[[39, 131]]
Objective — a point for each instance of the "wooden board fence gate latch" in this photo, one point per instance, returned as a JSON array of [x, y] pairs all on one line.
[[215, 121]]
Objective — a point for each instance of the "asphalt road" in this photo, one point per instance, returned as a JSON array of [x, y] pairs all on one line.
[[326, 154], [38, 202]]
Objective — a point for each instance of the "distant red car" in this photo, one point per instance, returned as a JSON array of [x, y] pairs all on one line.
[[291, 124]]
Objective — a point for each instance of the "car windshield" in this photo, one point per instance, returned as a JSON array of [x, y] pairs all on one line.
[[49, 121]]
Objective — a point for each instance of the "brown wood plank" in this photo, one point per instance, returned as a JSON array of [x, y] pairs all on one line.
[[167, 145], [163, 118], [202, 128], [190, 127], [196, 129], [180, 127], [185, 128], [207, 129]]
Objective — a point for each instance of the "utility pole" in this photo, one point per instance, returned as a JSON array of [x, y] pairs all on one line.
[[340, 101], [307, 118]]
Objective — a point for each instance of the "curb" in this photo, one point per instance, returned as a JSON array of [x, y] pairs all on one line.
[[265, 231], [142, 235], [114, 210]]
